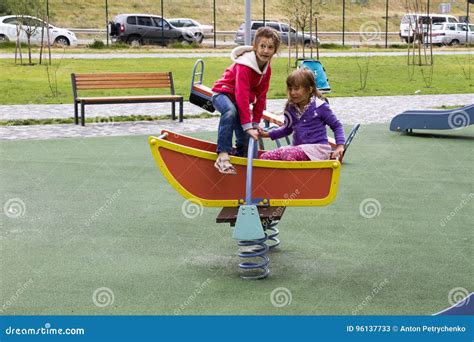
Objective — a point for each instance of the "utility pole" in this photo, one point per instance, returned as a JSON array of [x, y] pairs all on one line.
[[248, 19], [107, 20], [162, 25], [386, 23], [214, 9], [343, 21]]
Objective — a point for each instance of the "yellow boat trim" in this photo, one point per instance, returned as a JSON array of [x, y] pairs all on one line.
[[156, 143]]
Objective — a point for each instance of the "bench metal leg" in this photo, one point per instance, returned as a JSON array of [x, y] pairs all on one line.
[[76, 113], [173, 111], [83, 115], [181, 110]]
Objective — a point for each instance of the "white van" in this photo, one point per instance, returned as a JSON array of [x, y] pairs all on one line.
[[419, 23]]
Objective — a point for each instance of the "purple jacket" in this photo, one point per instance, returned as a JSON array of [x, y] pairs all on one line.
[[310, 128]]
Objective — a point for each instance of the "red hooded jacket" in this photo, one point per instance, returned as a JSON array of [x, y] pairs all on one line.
[[246, 84]]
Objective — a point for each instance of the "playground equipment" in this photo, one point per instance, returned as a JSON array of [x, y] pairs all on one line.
[[433, 119], [188, 165], [464, 307], [255, 211]]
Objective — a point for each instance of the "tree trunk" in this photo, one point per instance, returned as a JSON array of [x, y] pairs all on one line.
[[29, 50], [49, 40], [18, 46], [41, 43]]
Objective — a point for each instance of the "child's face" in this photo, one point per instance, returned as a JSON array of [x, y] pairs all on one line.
[[299, 95], [265, 50]]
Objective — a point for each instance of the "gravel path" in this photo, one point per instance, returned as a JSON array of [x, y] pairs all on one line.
[[350, 110]]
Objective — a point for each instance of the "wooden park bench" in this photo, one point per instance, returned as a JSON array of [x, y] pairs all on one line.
[[124, 81]]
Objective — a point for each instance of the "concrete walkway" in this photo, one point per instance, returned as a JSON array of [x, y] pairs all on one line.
[[350, 110]]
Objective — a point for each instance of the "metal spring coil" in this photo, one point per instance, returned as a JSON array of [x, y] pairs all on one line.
[[259, 249], [272, 232]]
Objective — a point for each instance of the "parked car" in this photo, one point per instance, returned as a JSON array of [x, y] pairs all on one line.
[[199, 30], [286, 33], [33, 26], [138, 29], [419, 22], [451, 34]]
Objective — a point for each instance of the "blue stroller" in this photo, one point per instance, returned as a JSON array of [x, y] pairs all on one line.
[[322, 82]]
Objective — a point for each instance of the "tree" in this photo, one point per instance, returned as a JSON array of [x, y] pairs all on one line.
[[299, 12], [22, 9]]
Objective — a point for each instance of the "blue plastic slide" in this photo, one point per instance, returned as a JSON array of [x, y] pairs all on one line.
[[433, 119], [322, 82], [463, 307]]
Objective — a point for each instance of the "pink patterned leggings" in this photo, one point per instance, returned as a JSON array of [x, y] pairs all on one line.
[[287, 153]]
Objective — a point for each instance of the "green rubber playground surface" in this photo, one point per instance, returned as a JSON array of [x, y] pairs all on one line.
[[90, 226]]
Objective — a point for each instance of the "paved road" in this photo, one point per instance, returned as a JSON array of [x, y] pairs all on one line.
[[350, 110], [195, 55]]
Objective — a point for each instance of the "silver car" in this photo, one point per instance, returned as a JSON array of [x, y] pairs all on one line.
[[200, 31], [138, 29], [287, 33], [451, 34]]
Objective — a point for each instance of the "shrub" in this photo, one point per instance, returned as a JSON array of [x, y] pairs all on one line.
[[97, 44], [183, 45], [334, 46]]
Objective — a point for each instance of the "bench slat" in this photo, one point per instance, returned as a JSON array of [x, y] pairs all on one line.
[[113, 99], [124, 75], [154, 78], [121, 86], [158, 82]]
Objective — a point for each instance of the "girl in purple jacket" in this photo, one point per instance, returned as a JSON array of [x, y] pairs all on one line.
[[306, 115]]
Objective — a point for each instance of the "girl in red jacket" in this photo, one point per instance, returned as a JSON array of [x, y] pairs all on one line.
[[244, 83]]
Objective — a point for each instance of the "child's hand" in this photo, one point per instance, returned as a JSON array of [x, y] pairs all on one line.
[[253, 133], [263, 133], [337, 153]]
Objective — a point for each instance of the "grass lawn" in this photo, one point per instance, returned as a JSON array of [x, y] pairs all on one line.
[[386, 76], [96, 213]]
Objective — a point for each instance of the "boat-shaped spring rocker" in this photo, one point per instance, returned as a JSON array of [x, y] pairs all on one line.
[[255, 199]]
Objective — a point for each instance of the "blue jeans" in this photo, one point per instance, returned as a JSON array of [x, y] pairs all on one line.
[[228, 124]]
